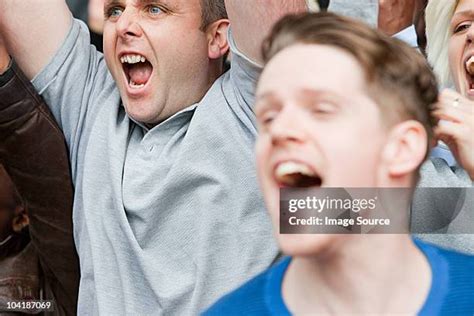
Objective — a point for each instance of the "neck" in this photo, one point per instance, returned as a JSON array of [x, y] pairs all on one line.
[[215, 70], [359, 274]]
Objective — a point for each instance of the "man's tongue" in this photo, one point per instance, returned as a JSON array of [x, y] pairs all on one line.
[[140, 73]]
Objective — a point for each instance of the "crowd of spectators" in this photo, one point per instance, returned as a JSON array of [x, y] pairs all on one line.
[[128, 182]]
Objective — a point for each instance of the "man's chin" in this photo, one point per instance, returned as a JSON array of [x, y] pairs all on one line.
[[140, 114], [305, 245]]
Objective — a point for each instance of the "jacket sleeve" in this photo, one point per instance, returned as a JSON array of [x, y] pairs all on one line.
[[34, 153]]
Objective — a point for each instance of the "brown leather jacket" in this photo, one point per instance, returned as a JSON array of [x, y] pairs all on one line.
[[33, 152]]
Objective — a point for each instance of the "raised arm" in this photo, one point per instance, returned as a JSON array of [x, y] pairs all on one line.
[[33, 30], [251, 21]]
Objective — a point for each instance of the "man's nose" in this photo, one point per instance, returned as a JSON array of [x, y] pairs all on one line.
[[128, 25], [287, 127]]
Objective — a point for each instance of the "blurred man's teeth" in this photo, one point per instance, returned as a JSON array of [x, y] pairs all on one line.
[[288, 168], [470, 65], [133, 85], [294, 174]]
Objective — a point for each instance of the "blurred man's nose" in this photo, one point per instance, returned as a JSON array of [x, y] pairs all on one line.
[[285, 127]]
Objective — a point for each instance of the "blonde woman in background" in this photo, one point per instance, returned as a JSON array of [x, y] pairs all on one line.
[[450, 34]]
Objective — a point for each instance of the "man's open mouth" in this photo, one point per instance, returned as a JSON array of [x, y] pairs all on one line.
[[137, 69], [298, 175]]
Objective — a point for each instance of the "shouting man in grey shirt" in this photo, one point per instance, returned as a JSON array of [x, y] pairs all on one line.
[[167, 213]]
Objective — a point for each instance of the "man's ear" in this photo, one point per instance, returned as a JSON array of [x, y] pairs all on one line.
[[216, 32], [20, 220], [405, 149]]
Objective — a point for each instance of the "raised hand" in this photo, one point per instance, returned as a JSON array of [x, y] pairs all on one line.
[[456, 127]]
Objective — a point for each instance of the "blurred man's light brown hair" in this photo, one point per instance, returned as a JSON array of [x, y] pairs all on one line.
[[399, 79]]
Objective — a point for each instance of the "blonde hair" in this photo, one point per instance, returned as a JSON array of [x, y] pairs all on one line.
[[438, 16]]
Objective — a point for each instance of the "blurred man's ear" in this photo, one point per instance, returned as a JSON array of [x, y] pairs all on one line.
[[217, 38], [405, 149], [20, 220]]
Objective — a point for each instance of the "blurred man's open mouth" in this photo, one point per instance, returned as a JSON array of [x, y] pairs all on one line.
[[297, 175], [137, 70]]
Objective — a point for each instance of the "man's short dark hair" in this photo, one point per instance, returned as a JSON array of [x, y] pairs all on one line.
[[211, 11]]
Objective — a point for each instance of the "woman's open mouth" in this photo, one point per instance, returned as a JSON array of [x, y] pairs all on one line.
[[469, 72]]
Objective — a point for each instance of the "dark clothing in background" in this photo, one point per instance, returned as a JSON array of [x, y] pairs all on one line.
[[323, 4], [80, 11], [78, 8], [33, 152]]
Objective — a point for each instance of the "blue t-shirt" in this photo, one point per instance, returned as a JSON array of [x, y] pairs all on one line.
[[451, 293]]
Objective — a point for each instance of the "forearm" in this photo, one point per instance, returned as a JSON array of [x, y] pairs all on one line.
[[33, 30], [251, 21], [395, 15], [34, 153]]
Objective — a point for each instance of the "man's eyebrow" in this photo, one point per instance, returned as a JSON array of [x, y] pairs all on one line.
[[317, 93], [265, 96], [139, 2], [307, 92], [143, 2], [265, 100], [112, 2]]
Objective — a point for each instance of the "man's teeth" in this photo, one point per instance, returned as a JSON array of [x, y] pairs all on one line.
[[132, 59], [289, 168], [470, 65]]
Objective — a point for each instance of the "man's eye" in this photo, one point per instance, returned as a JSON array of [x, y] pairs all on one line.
[[154, 10], [461, 27], [267, 118], [114, 12], [322, 108]]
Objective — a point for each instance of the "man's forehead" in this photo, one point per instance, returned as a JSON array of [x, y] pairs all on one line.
[[311, 63]]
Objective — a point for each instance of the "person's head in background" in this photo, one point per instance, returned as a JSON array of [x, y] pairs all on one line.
[[13, 218], [450, 30], [352, 110]]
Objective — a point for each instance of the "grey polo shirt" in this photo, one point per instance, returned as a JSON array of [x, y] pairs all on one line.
[[165, 220]]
